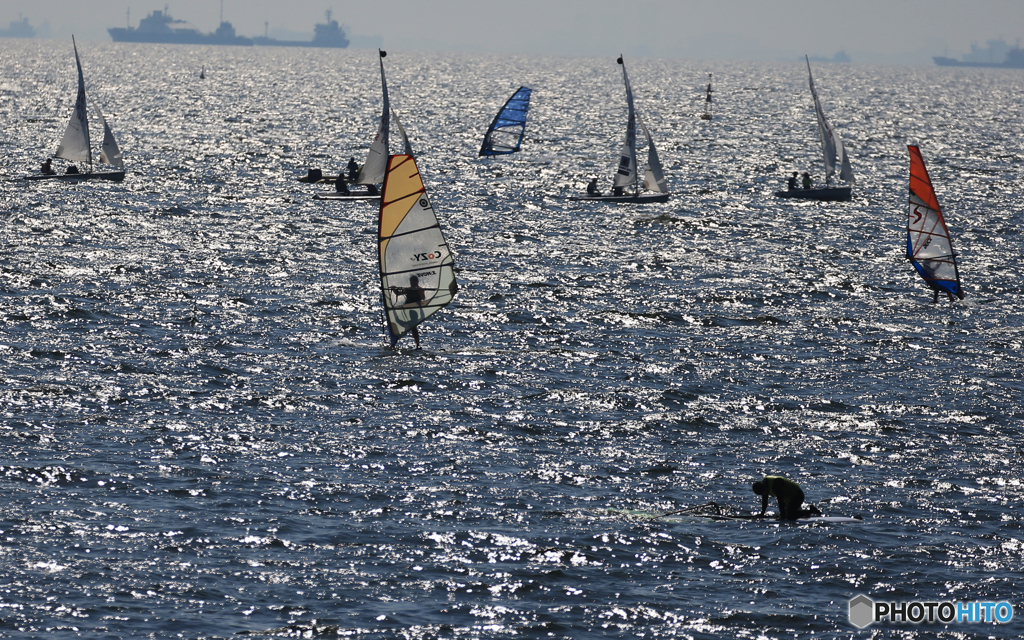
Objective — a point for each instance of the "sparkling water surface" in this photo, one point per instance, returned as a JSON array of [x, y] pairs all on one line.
[[205, 436]]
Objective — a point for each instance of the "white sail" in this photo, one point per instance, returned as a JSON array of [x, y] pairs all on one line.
[[75, 143], [374, 168], [831, 146], [406, 145], [625, 175], [654, 177], [110, 153]]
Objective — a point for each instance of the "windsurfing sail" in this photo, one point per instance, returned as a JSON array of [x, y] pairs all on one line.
[[654, 177], [707, 102], [417, 274], [373, 169], [75, 143], [406, 145], [831, 145], [625, 175], [505, 135], [109, 152], [929, 247]]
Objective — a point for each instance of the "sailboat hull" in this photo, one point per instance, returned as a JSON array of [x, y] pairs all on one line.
[[115, 176], [642, 198], [828, 194], [334, 195]]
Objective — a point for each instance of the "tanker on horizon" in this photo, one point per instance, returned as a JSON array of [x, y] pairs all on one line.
[[986, 57], [160, 27]]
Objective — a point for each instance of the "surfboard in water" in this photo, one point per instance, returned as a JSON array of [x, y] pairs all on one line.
[[929, 247], [505, 135], [417, 272]]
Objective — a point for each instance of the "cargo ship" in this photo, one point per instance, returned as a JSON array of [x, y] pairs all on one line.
[[160, 27]]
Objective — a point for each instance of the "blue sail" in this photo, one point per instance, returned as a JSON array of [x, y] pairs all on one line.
[[505, 134]]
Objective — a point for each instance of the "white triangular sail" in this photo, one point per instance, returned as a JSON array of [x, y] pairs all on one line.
[[110, 153], [654, 177], [376, 163], [417, 274], [406, 145], [625, 175], [75, 143], [831, 145]]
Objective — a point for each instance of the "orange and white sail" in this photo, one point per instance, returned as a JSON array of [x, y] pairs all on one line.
[[929, 247], [417, 272]]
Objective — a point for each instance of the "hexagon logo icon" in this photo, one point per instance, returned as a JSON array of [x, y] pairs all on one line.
[[862, 610]]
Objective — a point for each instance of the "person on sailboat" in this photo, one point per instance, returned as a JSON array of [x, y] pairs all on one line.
[[47, 167], [353, 170], [341, 186], [788, 494], [807, 180], [592, 188], [791, 182]]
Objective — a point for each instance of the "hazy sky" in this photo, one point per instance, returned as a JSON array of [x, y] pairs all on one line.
[[869, 30]]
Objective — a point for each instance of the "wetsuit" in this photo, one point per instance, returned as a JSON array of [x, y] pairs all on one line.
[[788, 493]]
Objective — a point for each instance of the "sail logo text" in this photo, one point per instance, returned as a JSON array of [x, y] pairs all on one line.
[[419, 257], [865, 611]]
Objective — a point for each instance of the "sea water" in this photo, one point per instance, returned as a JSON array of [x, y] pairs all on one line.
[[205, 436]]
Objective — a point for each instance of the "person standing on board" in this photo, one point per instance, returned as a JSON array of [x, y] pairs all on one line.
[[414, 297], [788, 494]]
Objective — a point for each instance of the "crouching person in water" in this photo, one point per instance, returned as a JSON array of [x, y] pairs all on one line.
[[788, 494]]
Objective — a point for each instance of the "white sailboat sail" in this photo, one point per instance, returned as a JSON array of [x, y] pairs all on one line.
[[831, 145], [654, 177], [625, 175], [110, 153], [406, 145], [75, 143], [377, 159]]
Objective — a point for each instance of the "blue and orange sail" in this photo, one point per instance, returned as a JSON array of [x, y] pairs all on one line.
[[929, 247]]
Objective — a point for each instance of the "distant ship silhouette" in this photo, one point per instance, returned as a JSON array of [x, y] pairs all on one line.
[[985, 57], [160, 27]]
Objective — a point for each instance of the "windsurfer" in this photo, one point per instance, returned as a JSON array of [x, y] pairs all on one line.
[[791, 182], [788, 494], [353, 170], [414, 297], [807, 180], [592, 188]]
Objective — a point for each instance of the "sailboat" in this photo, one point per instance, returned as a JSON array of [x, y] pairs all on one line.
[[929, 247], [76, 145], [373, 170], [417, 273], [707, 102], [505, 135], [832, 148], [626, 176]]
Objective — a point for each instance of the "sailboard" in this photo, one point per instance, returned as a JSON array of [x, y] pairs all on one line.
[[929, 247], [76, 144], [686, 516], [834, 154], [707, 102], [505, 135], [626, 175], [417, 272]]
